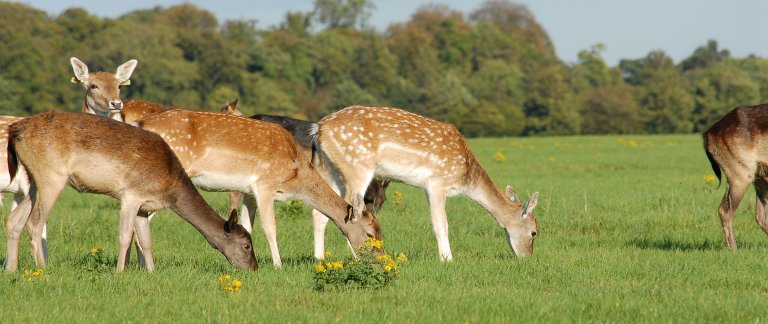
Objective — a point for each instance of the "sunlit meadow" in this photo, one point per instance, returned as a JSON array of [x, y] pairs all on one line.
[[628, 231]]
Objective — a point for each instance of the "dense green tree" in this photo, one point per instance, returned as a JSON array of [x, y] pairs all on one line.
[[343, 13], [719, 88], [663, 93], [611, 109]]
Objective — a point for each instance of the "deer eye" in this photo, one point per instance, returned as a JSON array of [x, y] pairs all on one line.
[[246, 247], [93, 86]]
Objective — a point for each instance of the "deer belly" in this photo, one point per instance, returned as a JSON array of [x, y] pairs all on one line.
[[415, 175], [223, 182]]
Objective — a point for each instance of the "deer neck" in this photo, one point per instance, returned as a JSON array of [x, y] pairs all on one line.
[[88, 108], [190, 206], [482, 190], [318, 194]]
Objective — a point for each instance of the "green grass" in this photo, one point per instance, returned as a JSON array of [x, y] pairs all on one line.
[[628, 232]]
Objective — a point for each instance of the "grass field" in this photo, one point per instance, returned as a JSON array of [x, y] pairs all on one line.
[[628, 232]]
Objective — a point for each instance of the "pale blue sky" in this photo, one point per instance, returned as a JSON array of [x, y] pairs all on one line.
[[628, 29]]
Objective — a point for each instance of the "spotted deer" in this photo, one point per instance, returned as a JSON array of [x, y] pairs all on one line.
[[301, 130], [262, 160], [737, 145], [98, 155], [366, 142]]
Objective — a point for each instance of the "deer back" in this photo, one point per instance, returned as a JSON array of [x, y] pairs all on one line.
[[739, 140], [96, 155], [251, 147], [399, 144]]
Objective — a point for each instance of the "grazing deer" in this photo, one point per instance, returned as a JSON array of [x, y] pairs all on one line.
[[262, 160], [366, 142], [301, 130], [94, 154], [737, 144]]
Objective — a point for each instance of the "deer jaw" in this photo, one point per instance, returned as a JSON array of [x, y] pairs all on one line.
[[520, 225], [102, 95]]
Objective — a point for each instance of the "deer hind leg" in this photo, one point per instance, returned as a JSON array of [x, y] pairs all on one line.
[[137, 239], [248, 212], [128, 212], [731, 200], [440, 223], [42, 202], [761, 212], [143, 238], [14, 225]]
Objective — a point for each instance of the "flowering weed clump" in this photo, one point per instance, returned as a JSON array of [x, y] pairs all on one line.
[[373, 268], [34, 276], [499, 157], [230, 285], [96, 262]]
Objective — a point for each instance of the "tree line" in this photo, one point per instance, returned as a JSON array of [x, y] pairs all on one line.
[[491, 72]]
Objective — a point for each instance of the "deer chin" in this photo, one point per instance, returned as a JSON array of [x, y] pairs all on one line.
[[521, 250]]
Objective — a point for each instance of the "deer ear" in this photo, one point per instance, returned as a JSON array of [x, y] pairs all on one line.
[[233, 103], [125, 70], [530, 204], [231, 222], [511, 194], [80, 69]]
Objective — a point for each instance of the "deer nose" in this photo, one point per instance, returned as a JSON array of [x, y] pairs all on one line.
[[116, 104]]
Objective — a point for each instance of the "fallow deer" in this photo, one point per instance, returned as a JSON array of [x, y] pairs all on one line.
[[737, 144], [366, 142], [98, 155], [262, 160], [301, 130]]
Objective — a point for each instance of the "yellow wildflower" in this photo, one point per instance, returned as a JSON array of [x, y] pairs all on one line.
[[710, 178], [38, 272], [228, 288], [500, 157], [237, 284], [94, 250], [374, 243], [387, 268], [401, 258], [327, 254], [319, 268], [631, 143], [397, 197], [227, 278]]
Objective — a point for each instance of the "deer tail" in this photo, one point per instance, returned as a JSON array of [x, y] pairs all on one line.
[[712, 162], [314, 133], [13, 162]]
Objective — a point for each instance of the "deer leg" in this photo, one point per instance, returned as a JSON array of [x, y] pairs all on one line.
[[140, 255], [234, 200], [14, 223], [128, 212], [143, 238], [266, 205], [249, 209], [731, 200], [319, 223], [42, 203], [761, 213], [440, 223]]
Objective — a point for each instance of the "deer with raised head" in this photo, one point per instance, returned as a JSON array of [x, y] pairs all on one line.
[[737, 144], [102, 96], [302, 130], [262, 160], [361, 143], [98, 155]]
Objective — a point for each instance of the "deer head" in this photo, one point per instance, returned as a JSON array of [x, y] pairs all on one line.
[[102, 88], [521, 223]]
